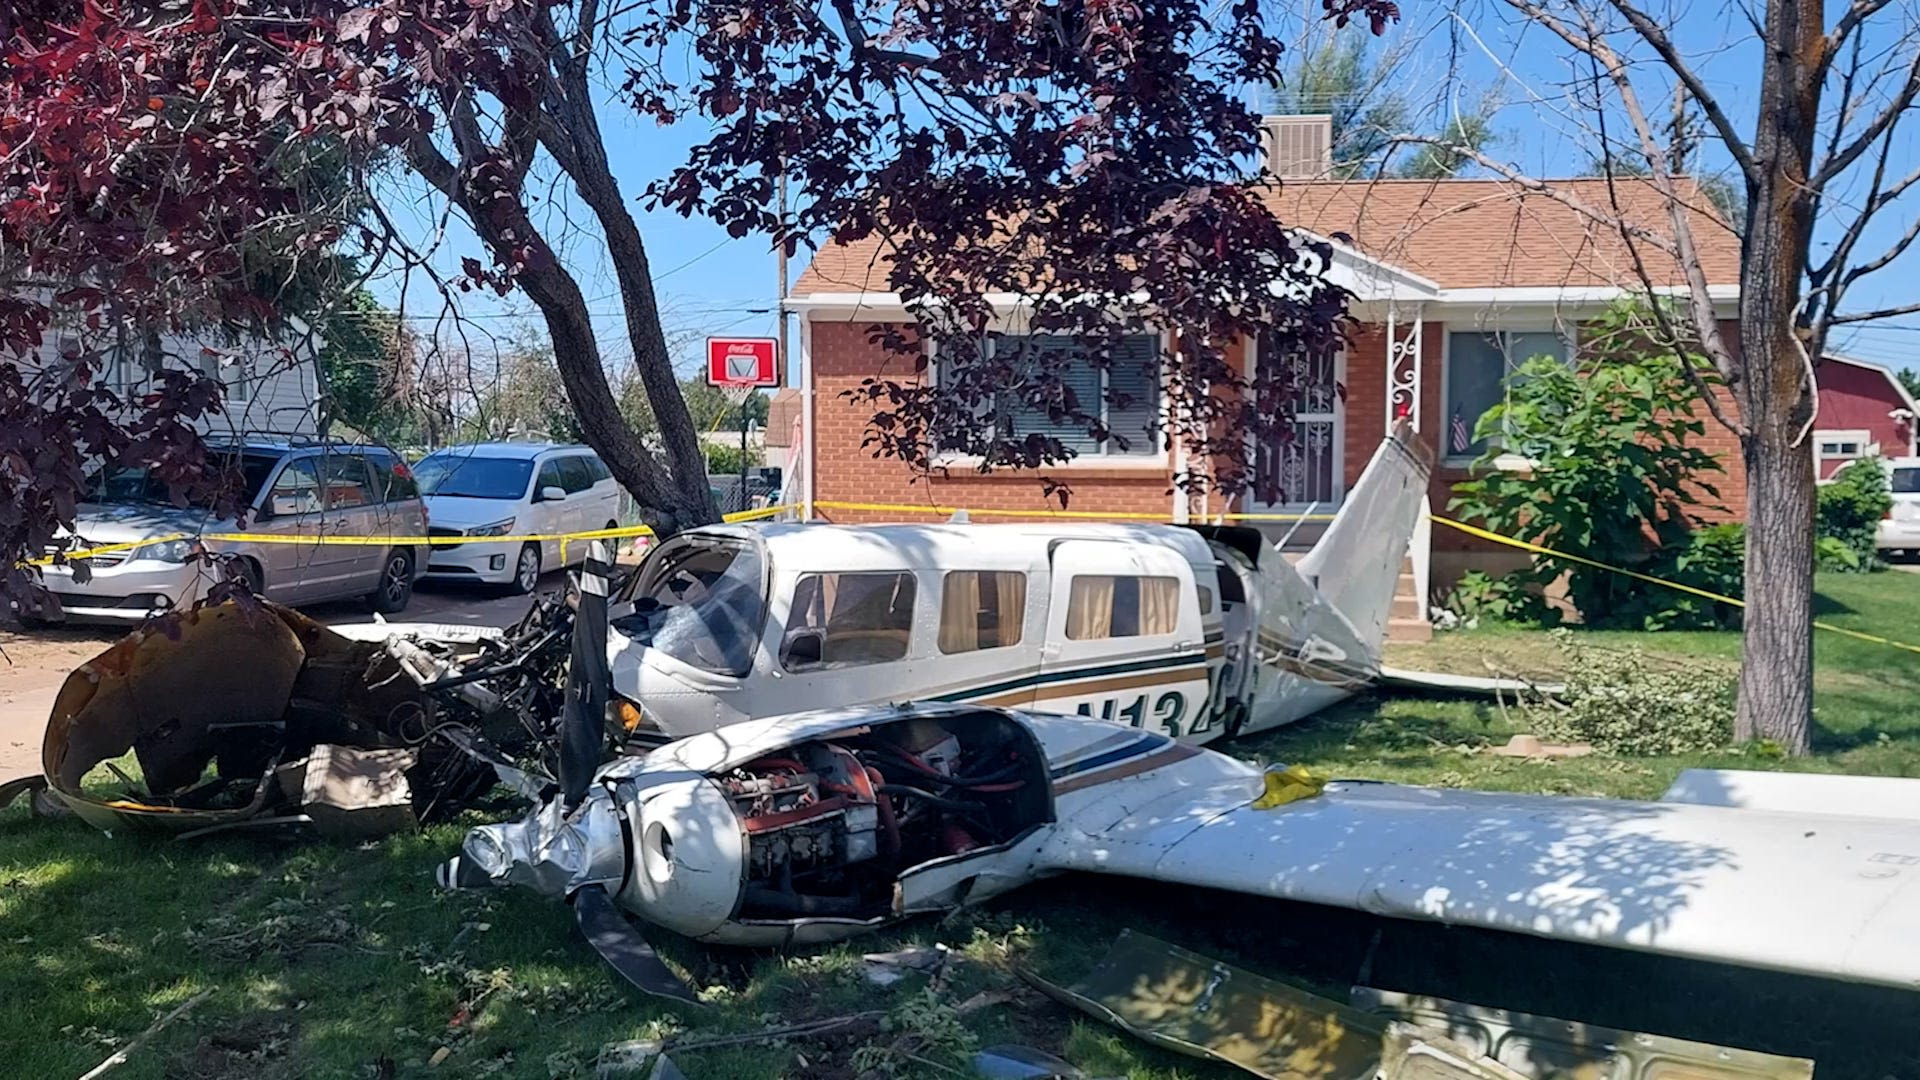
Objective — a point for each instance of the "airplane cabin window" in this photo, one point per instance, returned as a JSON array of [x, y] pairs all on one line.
[[841, 620], [981, 609], [1102, 606]]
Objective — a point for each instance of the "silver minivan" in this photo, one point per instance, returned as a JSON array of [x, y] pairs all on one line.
[[320, 489]]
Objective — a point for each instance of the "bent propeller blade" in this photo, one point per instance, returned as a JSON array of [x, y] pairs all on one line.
[[623, 947]]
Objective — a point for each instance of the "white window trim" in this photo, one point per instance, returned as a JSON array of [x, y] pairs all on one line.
[[1859, 436], [1159, 461], [1566, 328]]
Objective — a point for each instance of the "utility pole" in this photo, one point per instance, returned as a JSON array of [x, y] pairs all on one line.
[[780, 268]]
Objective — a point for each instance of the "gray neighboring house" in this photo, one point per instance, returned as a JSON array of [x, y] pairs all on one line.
[[270, 388]]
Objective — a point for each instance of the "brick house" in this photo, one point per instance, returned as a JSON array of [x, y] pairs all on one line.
[[1454, 282]]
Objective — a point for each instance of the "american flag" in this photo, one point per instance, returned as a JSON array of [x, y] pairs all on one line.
[[1458, 438]]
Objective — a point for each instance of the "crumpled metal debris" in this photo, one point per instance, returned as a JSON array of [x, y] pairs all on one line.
[[247, 713], [1008, 1062], [887, 968], [1192, 1005], [1544, 1046]]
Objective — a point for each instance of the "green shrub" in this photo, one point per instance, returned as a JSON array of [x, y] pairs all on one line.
[[1712, 560], [1614, 474], [1508, 599], [723, 459], [1622, 702], [1848, 513]]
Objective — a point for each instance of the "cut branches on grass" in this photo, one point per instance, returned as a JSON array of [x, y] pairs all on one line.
[[1813, 173]]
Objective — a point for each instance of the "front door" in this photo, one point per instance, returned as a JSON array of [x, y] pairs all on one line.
[[1306, 468]]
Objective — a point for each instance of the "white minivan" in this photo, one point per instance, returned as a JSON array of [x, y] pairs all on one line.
[[1900, 529], [513, 489]]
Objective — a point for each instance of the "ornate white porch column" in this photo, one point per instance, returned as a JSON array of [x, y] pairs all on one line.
[[1403, 364]]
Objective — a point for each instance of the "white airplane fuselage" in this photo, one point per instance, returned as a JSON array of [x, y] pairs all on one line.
[[1193, 632]]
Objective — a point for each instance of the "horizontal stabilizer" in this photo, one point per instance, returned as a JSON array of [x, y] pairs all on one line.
[[1434, 682]]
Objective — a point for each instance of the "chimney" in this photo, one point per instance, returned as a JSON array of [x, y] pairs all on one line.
[[1297, 147]]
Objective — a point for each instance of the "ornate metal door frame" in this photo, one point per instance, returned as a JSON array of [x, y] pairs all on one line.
[[1313, 463]]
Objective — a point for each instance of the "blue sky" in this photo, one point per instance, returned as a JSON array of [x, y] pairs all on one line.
[[709, 283]]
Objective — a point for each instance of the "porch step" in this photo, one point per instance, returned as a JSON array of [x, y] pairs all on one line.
[[1406, 598], [1404, 624], [1409, 631]]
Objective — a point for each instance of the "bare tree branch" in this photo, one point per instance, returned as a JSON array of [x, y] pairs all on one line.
[[1877, 313], [1656, 36], [1882, 125], [1857, 13]]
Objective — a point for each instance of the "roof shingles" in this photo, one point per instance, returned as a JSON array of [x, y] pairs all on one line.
[[1461, 234]]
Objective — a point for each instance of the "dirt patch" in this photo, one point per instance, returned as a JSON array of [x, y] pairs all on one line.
[[257, 1046], [29, 656]]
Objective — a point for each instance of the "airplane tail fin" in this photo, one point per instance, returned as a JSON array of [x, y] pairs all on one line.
[[1356, 564]]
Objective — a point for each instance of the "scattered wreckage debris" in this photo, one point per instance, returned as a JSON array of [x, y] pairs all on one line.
[[1008, 1062], [1547, 1047], [247, 714], [1534, 748], [1203, 1008]]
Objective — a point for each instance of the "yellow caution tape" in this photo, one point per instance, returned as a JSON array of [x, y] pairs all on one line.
[[1078, 515], [391, 541], [1291, 784], [1523, 545]]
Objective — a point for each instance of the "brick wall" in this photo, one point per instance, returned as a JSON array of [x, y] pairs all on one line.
[[843, 356], [1456, 552]]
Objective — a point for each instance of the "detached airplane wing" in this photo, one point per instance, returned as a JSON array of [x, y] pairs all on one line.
[[1826, 894]]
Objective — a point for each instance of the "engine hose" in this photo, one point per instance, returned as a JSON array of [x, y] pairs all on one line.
[[889, 824], [997, 776], [930, 798]]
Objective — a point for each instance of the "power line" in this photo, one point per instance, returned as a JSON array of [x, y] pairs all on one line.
[[690, 262]]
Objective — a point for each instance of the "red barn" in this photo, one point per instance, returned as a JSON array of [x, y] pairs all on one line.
[[1864, 410]]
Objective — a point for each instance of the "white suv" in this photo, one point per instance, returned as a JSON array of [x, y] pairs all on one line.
[[513, 489], [1900, 529]]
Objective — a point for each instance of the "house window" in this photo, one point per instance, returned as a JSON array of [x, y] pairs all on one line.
[[981, 609], [1480, 368], [840, 620], [1101, 606], [1124, 395], [1839, 447], [232, 377]]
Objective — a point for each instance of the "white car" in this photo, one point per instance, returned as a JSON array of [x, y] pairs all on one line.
[[1900, 529], [513, 489]]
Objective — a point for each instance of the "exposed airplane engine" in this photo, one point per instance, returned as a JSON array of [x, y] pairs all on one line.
[[806, 841]]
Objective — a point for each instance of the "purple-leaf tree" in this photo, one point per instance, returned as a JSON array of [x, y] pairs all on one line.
[[1086, 167]]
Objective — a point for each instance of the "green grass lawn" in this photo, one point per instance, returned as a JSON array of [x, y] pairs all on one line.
[[332, 960]]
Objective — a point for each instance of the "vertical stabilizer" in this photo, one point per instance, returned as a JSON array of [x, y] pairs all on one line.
[[1356, 564]]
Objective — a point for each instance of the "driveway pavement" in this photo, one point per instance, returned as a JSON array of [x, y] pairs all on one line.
[[35, 663]]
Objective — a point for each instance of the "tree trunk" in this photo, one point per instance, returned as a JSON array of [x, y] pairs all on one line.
[[1774, 388], [1776, 673]]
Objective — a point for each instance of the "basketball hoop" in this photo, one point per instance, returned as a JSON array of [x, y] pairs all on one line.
[[736, 393]]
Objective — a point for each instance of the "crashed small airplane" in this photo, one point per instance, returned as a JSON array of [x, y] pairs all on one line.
[[1200, 632]]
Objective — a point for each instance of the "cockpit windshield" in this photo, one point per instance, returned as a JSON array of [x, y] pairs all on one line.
[[701, 600]]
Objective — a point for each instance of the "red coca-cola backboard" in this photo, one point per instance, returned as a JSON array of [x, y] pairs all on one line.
[[743, 361]]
